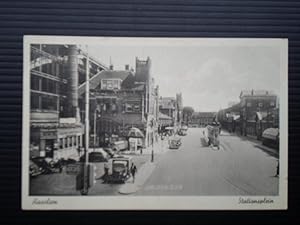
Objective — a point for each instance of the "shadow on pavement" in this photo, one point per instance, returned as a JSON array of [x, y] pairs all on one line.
[[270, 152]]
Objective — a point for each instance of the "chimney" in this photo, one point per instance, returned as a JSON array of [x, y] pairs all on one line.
[[72, 93], [127, 67]]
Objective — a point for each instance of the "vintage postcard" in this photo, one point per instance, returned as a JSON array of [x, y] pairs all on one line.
[[154, 123]]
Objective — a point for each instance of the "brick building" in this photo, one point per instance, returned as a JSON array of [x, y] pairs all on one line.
[[123, 99]]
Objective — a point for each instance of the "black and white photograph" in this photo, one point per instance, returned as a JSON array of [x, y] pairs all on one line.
[[154, 123]]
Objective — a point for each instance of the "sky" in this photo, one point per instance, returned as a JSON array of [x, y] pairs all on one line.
[[209, 77]]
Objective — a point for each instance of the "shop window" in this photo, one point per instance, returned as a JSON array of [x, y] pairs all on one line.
[[61, 146], [78, 140], [136, 108], [66, 142], [128, 107], [70, 141]]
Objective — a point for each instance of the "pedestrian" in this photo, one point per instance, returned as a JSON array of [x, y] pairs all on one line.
[[106, 169], [277, 169], [133, 171]]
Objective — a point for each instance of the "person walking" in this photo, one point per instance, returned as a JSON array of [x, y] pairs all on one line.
[[133, 171], [106, 170], [277, 169]]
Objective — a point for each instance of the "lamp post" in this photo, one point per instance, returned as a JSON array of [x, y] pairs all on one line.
[[85, 189]]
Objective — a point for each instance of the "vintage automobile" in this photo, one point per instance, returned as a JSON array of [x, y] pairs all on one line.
[[270, 137], [48, 165], [212, 135], [34, 169], [120, 170], [174, 142], [183, 131], [96, 156]]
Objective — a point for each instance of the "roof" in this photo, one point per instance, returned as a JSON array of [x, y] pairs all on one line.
[[256, 93], [126, 118], [104, 74]]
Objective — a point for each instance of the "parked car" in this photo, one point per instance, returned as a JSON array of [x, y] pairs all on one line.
[[97, 156], [34, 169], [48, 165], [120, 170], [270, 137]]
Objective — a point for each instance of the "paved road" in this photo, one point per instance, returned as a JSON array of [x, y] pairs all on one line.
[[240, 167]]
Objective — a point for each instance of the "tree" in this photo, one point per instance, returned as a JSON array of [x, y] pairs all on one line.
[[187, 114]]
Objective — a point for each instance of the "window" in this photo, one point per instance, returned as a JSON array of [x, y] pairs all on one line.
[[49, 102], [260, 104], [34, 101], [74, 140], [66, 142], [249, 104], [128, 107], [70, 141], [110, 84], [272, 103], [136, 108], [49, 86], [35, 83], [61, 143]]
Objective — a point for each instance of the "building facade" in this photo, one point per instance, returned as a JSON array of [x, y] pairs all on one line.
[[56, 71], [122, 99], [202, 119], [256, 111]]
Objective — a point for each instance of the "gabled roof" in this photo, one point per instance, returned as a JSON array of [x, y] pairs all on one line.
[[104, 74]]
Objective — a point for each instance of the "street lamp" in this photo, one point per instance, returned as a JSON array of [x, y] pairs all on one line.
[[85, 189]]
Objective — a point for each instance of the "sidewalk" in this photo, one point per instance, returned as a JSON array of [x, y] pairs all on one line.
[[253, 139], [141, 177], [145, 170]]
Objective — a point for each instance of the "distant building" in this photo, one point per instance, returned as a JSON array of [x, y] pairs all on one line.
[[171, 108], [256, 111], [256, 105], [202, 118]]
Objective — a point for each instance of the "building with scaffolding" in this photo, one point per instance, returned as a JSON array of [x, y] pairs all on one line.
[[56, 71]]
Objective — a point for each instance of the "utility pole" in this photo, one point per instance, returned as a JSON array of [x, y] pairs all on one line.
[[87, 137]]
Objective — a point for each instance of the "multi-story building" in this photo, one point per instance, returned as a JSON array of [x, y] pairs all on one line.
[[257, 105], [167, 106], [55, 124], [122, 99], [256, 111]]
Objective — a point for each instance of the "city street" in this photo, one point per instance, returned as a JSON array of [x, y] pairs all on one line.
[[240, 167]]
